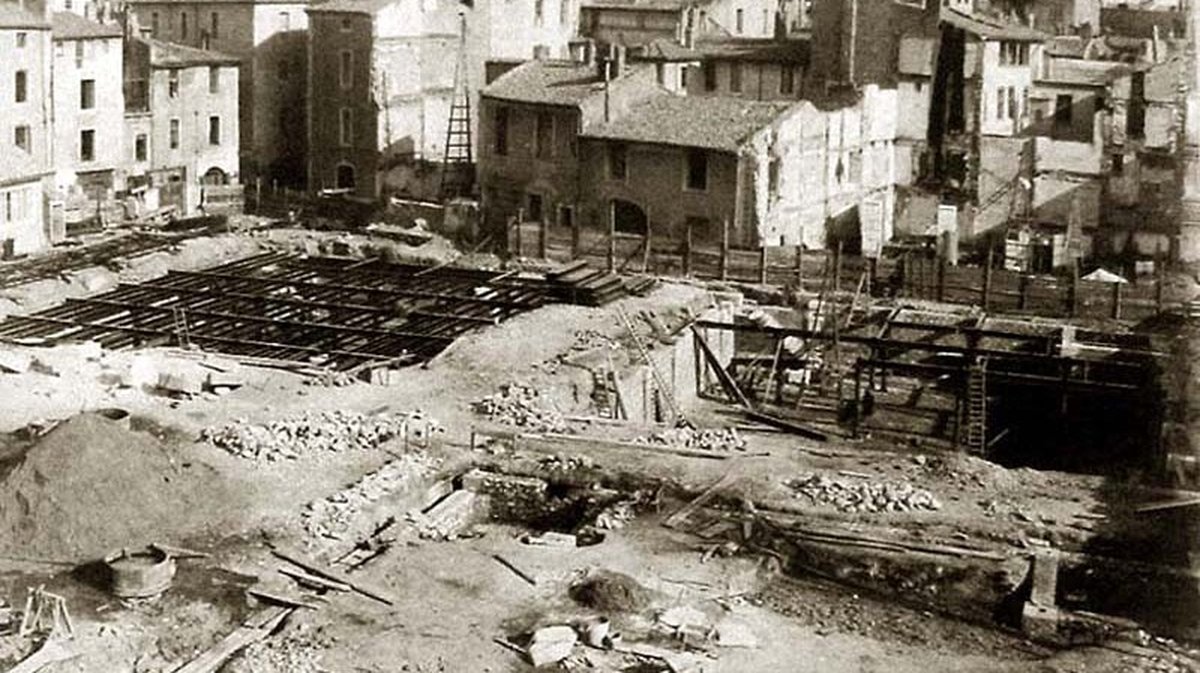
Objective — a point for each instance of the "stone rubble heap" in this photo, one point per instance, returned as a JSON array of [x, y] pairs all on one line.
[[334, 516], [858, 495], [588, 339], [616, 515], [315, 432], [706, 439], [521, 405]]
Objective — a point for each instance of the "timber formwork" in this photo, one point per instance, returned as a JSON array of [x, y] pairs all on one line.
[[337, 313]]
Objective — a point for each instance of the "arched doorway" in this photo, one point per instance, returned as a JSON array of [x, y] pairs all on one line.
[[215, 176], [345, 176], [628, 217]]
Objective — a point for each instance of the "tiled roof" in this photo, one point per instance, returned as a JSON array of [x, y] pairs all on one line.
[[13, 16], [350, 6], [732, 48], [707, 122], [989, 29], [547, 82], [171, 55], [1067, 45], [643, 5], [1080, 72], [68, 26]]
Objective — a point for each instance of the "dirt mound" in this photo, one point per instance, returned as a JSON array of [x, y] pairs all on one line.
[[92, 485], [609, 591]]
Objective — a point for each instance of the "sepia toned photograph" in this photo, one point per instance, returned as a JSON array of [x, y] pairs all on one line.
[[599, 336]]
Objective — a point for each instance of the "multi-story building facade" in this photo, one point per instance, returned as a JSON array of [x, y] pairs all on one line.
[[181, 121], [382, 77], [89, 107], [632, 24], [269, 39], [751, 68], [25, 162]]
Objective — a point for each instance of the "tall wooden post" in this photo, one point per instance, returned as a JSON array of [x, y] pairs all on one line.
[[1073, 289], [543, 243], [520, 221], [872, 274], [687, 249], [575, 237], [987, 279], [837, 269], [941, 279], [725, 249], [612, 241], [1022, 292], [762, 265], [800, 268], [1116, 301], [1160, 278]]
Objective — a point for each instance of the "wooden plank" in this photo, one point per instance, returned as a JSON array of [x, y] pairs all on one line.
[[329, 574], [709, 493], [727, 383], [256, 628], [515, 570], [279, 599], [786, 425], [51, 651]]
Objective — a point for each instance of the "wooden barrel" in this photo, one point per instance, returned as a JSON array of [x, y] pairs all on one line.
[[143, 573]]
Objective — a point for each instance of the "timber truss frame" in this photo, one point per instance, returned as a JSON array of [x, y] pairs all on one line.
[[337, 313]]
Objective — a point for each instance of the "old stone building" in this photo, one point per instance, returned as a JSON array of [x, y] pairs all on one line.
[[632, 24], [269, 39], [181, 124], [392, 64], [89, 106], [25, 169], [753, 68]]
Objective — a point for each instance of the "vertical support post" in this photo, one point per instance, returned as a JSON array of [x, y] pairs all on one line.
[[987, 279], [543, 243], [724, 249], [687, 249], [762, 265], [611, 262], [856, 409], [837, 269], [872, 274], [575, 237], [1022, 292], [800, 267], [1160, 277], [520, 219], [1073, 289], [941, 279], [1116, 301]]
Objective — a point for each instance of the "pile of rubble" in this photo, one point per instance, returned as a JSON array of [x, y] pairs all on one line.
[[706, 439], [557, 462], [588, 339], [862, 495], [521, 405], [334, 516], [314, 432]]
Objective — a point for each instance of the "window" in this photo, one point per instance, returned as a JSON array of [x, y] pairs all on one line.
[[345, 24], [710, 76], [154, 24], [1000, 103], [773, 177], [618, 164], [735, 76], [346, 69], [173, 140], [21, 40], [346, 127], [544, 135], [697, 170], [787, 80], [87, 145], [566, 217], [20, 82], [535, 213], [741, 21], [539, 9], [21, 137], [564, 12], [215, 30], [1062, 110], [285, 21], [501, 139], [139, 147], [214, 79], [1118, 164], [1012, 103], [183, 25], [78, 53], [87, 94], [173, 83], [214, 130]]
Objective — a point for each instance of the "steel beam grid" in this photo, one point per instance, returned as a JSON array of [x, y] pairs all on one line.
[[337, 312]]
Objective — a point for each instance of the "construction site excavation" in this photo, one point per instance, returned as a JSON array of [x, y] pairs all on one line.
[[279, 449]]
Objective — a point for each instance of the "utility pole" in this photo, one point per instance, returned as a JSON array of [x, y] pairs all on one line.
[[1189, 224]]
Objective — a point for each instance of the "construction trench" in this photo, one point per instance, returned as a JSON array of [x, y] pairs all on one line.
[[928, 469]]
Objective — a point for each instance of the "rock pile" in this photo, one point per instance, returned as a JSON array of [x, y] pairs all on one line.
[[863, 496], [706, 439], [334, 516], [521, 405], [314, 432]]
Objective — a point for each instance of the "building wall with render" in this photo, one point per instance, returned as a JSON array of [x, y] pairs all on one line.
[[24, 174], [100, 61]]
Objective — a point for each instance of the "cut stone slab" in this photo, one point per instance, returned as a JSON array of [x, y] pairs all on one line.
[[13, 362], [450, 516], [181, 381], [551, 645], [732, 633]]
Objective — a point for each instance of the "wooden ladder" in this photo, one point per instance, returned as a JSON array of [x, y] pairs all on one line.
[[663, 389], [976, 407], [182, 338]]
